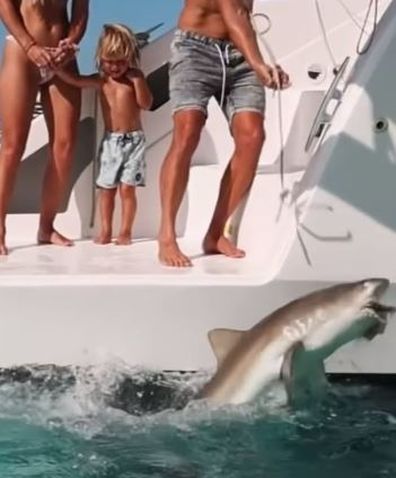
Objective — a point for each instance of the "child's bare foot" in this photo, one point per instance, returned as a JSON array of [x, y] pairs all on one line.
[[170, 255], [53, 237], [103, 238], [223, 246], [123, 240]]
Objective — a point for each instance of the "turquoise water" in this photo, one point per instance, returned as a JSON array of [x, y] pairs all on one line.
[[116, 423]]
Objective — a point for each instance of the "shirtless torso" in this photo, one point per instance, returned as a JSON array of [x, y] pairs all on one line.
[[121, 112], [205, 17], [45, 20]]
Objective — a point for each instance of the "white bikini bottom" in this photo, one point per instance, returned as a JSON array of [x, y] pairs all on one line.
[[46, 74]]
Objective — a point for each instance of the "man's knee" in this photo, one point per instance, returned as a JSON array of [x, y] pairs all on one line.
[[250, 137], [187, 133]]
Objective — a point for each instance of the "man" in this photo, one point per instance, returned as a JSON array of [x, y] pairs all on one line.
[[41, 37], [214, 53]]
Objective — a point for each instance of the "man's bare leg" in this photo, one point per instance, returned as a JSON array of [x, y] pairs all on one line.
[[173, 182], [248, 133], [128, 211], [106, 206], [61, 104], [18, 91]]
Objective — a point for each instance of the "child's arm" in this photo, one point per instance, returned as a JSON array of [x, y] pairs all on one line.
[[81, 81], [144, 97]]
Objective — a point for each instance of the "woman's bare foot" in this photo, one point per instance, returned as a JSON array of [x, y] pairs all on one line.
[[123, 240], [3, 247], [53, 237], [222, 245], [103, 238], [170, 255]]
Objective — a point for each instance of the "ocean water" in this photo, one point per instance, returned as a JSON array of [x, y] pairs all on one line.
[[114, 422]]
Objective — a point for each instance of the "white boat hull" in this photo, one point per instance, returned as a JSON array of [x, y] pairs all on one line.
[[92, 303]]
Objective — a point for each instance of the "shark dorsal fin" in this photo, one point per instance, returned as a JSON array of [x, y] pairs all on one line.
[[222, 341]]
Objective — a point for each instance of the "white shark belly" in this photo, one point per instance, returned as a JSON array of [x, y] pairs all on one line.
[[327, 338]]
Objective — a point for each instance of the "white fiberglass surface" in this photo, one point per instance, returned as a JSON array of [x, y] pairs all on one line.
[[87, 262]]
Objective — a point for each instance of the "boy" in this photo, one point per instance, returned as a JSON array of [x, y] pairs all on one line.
[[123, 93]]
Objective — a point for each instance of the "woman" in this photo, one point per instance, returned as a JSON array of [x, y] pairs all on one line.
[[41, 37]]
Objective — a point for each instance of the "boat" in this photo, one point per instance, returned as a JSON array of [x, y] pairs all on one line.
[[321, 210]]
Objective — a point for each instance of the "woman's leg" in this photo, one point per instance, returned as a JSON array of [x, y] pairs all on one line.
[[18, 92], [62, 104]]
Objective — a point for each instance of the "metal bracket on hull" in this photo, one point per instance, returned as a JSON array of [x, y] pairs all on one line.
[[323, 119]]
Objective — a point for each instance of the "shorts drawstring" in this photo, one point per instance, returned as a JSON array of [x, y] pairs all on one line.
[[224, 63], [123, 139], [126, 138]]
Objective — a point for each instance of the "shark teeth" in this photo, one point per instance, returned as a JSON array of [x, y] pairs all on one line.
[[380, 311]]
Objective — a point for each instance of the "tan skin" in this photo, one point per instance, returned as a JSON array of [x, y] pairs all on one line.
[[44, 37], [229, 20], [123, 93]]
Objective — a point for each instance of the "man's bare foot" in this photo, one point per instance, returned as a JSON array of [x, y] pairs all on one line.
[[170, 255], [222, 245], [55, 238], [123, 240], [103, 238]]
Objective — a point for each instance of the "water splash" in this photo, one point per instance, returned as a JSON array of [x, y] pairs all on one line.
[[112, 420]]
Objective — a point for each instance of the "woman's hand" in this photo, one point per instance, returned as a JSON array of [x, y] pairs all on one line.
[[42, 57]]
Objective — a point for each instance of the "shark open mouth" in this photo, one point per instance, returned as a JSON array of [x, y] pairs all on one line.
[[380, 311]]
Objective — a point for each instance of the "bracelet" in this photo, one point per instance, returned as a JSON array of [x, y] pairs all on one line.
[[29, 46]]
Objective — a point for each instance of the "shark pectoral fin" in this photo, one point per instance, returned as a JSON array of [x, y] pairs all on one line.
[[376, 329], [222, 341], [302, 374], [289, 368]]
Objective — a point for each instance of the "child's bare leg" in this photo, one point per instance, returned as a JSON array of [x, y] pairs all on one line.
[[128, 207], [18, 91], [106, 205]]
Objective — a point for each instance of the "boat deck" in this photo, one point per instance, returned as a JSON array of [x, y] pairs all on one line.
[[89, 263]]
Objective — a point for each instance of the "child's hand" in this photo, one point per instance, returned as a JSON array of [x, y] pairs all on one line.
[[135, 73], [67, 45], [66, 51]]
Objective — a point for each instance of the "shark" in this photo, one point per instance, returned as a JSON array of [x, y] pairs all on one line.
[[289, 346]]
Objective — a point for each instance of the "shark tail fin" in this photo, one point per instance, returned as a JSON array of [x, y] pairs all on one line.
[[223, 341]]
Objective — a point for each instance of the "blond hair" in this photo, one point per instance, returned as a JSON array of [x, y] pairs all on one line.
[[117, 42]]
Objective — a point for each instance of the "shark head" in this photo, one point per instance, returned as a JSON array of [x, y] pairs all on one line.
[[354, 299], [367, 295], [348, 311]]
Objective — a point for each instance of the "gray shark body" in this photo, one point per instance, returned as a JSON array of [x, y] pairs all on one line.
[[291, 343]]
